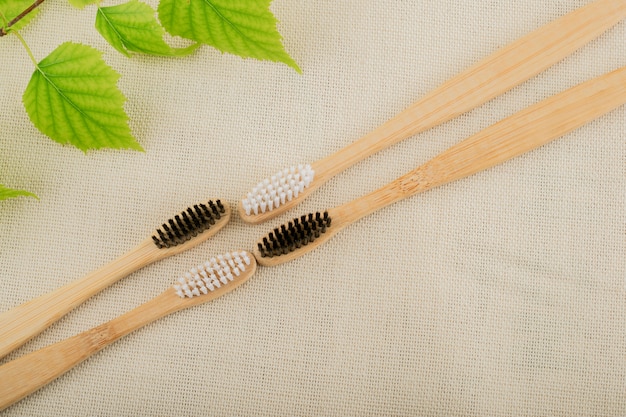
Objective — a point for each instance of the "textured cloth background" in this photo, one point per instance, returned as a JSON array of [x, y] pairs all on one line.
[[501, 294]]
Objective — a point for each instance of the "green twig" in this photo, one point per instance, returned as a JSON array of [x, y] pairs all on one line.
[[30, 53], [4, 30]]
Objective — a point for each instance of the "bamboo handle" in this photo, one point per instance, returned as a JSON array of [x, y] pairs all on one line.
[[489, 78], [28, 373], [513, 136], [23, 322], [20, 324]]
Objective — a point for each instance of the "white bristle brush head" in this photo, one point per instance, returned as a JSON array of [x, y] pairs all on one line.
[[277, 190], [212, 274]]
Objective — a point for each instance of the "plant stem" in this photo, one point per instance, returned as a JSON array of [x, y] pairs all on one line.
[[3, 31], [30, 53]]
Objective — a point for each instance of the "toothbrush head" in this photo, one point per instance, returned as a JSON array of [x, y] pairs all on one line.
[[216, 276], [294, 239], [191, 226], [276, 194]]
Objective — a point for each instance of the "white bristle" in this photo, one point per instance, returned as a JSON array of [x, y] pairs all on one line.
[[277, 190], [213, 274]]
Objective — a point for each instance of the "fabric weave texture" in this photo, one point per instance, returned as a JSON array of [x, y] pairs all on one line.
[[502, 294]]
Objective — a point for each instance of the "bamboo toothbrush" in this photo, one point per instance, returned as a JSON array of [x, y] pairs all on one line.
[[487, 79], [182, 232], [522, 132], [204, 283]]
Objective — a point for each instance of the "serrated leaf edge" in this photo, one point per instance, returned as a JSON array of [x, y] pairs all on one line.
[[133, 145], [125, 42]]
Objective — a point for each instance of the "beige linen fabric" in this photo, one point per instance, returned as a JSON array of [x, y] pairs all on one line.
[[498, 295]]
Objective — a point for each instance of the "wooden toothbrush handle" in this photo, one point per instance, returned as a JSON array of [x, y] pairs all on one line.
[[25, 321], [513, 136], [28, 373], [489, 78]]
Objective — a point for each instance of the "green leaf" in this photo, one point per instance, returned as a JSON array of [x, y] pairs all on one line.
[[10, 9], [80, 4], [133, 27], [6, 193], [72, 97], [242, 27]]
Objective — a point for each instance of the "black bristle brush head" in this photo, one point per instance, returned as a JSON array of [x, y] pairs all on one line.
[[188, 224], [293, 235]]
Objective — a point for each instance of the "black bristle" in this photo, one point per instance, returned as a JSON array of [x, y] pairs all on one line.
[[315, 230], [206, 214], [171, 236], [190, 228], [174, 225], [163, 239], [294, 234], [157, 242], [215, 210], [193, 214], [188, 224]]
